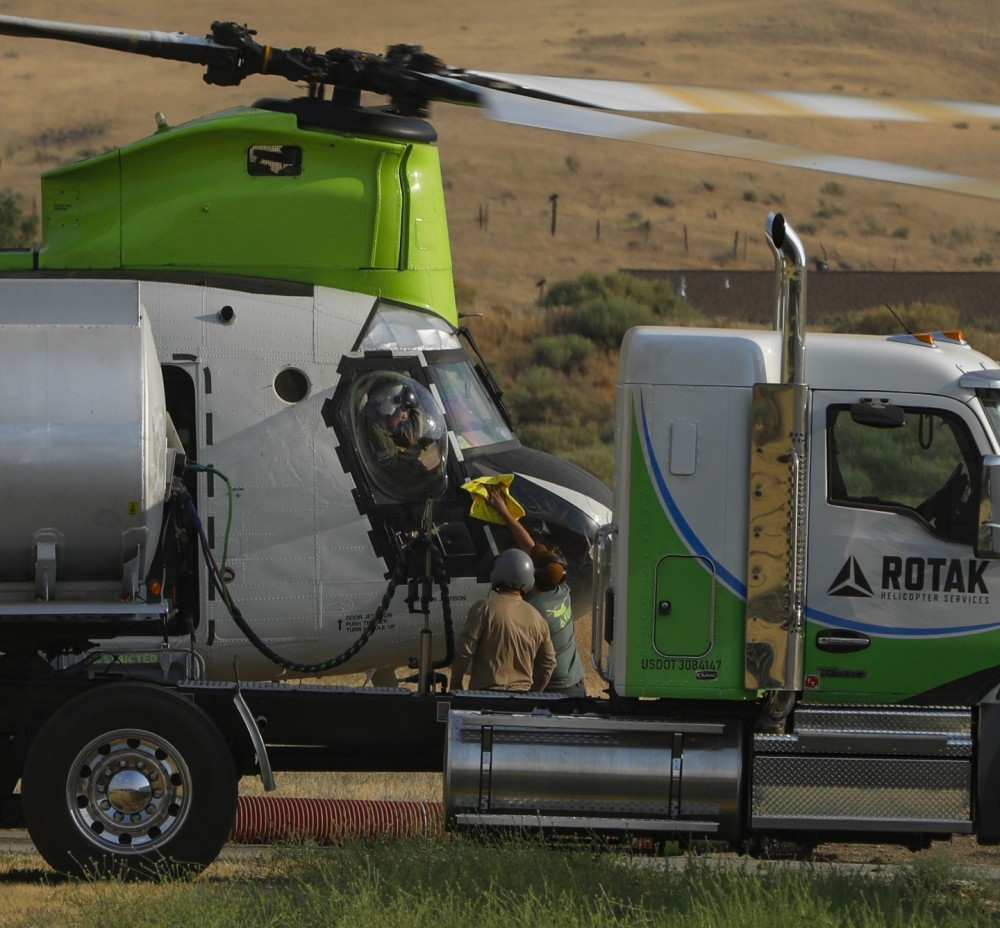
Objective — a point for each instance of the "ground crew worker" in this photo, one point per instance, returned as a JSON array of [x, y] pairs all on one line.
[[550, 595], [505, 644]]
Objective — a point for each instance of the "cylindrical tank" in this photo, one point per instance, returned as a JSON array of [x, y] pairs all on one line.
[[590, 772], [83, 448]]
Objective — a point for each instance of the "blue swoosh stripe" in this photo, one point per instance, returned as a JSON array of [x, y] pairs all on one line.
[[886, 631], [812, 615], [680, 523]]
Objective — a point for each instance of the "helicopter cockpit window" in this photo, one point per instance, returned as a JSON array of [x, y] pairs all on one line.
[[475, 418], [400, 435], [395, 328]]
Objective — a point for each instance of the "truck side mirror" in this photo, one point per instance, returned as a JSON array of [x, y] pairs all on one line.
[[988, 539], [878, 414]]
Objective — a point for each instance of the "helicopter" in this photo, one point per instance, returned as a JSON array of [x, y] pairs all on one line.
[[290, 262]]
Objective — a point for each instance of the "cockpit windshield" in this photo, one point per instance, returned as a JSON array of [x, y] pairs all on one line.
[[474, 416], [472, 409]]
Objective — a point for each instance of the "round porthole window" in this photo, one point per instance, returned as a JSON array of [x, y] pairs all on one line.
[[291, 385]]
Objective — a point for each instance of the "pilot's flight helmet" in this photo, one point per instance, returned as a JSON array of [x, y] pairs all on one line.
[[392, 396], [513, 570]]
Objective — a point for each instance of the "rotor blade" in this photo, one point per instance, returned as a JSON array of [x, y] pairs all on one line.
[[675, 98], [175, 46], [544, 114]]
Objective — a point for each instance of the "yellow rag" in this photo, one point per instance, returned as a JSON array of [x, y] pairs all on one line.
[[482, 509]]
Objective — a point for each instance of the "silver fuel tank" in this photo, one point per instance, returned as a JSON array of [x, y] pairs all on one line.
[[593, 774], [83, 446]]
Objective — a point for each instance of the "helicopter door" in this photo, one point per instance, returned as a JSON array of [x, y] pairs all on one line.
[[182, 405], [179, 383]]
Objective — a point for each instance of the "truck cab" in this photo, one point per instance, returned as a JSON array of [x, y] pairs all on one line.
[[897, 603], [809, 521]]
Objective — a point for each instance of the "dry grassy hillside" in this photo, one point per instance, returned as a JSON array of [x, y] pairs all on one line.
[[63, 101]]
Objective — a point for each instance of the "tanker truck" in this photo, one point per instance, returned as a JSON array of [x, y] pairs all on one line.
[[791, 614]]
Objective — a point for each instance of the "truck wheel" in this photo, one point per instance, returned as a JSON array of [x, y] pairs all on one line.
[[129, 779]]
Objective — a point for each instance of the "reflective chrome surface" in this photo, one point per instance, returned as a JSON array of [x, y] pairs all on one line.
[[82, 429], [877, 768], [617, 769], [128, 791]]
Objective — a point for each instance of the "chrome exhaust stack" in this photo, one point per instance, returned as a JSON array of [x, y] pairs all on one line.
[[790, 296], [776, 560]]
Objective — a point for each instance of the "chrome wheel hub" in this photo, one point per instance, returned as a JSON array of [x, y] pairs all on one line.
[[129, 791]]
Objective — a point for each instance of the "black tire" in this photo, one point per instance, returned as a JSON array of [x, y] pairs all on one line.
[[129, 779]]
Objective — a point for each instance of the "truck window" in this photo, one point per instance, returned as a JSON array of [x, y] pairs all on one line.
[[927, 468], [990, 400]]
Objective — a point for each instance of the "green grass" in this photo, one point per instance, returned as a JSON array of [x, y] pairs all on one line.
[[461, 883]]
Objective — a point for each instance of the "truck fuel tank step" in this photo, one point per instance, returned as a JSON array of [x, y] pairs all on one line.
[[877, 768]]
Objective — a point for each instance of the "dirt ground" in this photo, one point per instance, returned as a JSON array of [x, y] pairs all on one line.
[[961, 850]]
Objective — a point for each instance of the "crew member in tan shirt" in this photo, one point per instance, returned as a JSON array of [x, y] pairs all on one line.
[[505, 644]]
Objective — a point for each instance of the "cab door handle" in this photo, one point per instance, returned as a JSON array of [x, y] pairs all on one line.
[[841, 641]]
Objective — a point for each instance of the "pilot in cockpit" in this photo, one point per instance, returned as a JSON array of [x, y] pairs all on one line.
[[403, 438], [395, 422]]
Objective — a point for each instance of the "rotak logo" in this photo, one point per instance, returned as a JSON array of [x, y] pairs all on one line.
[[936, 579], [851, 581]]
